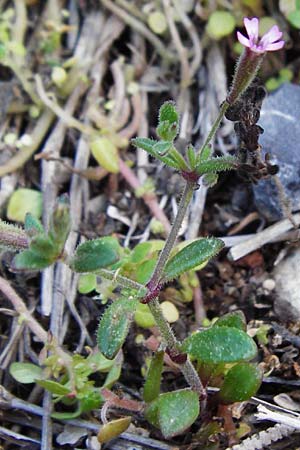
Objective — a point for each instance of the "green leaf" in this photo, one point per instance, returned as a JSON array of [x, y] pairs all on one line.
[[92, 399], [44, 247], [294, 18], [168, 122], [234, 319], [87, 283], [220, 24], [113, 429], [143, 316], [160, 151], [197, 253], [220, 345], [28, 260], [191, 156], [145, 270], [168, 113], [105, 153], [23, 201], [95, 254], [114, 326], [54, 387], [114, 373], [25, 372], [153, 380], [216, 165], [210, 179], [174, 412], [241, 382]]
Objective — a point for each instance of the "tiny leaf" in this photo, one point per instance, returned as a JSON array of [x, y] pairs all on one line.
[[143, 316], [174, 412], [113, 429], [87, 283], [54, 387], [60, 223], [25, 372], [95, 254], [168, 122], [241, 382], [23, 201], [153, 380], [234, 319], [105, 153], [197, 253], [157, 149], [216, 165], [220, 345], [114, 326]]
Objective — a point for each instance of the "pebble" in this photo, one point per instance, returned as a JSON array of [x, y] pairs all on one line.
[[280, 119], [287, 289]]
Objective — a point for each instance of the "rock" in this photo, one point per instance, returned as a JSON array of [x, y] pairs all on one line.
[[280, 119], [286, 276]]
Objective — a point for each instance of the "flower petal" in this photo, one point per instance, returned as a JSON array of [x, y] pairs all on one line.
[[273, 35], [251, 26], [275, 46], [243, 40]]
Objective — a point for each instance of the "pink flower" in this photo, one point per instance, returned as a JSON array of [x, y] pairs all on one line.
[[269, 41]]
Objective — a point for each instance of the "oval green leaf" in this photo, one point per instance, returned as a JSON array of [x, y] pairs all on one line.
[[105, 153], [241, 382], [25, 372], [220, 345], [197, 253], [114, 326], [95, 254], [174, 412]]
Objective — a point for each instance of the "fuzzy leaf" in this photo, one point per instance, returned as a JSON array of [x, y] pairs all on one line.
[[241, 382], [174, 412], [197, 253], [87, 283], [160, 152], [152, 383], [54, 387], [25, 372], [95, 254], [220, 345], [114, 326], [28, 260], [216, 165], [234, 319], [168, 122], [168, 113], [191, 156]]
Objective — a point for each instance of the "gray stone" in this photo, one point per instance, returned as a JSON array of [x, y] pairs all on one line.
[[287, 287], [280, 119]]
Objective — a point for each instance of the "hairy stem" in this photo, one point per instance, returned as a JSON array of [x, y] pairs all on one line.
[[225, 105], [171, 239]]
